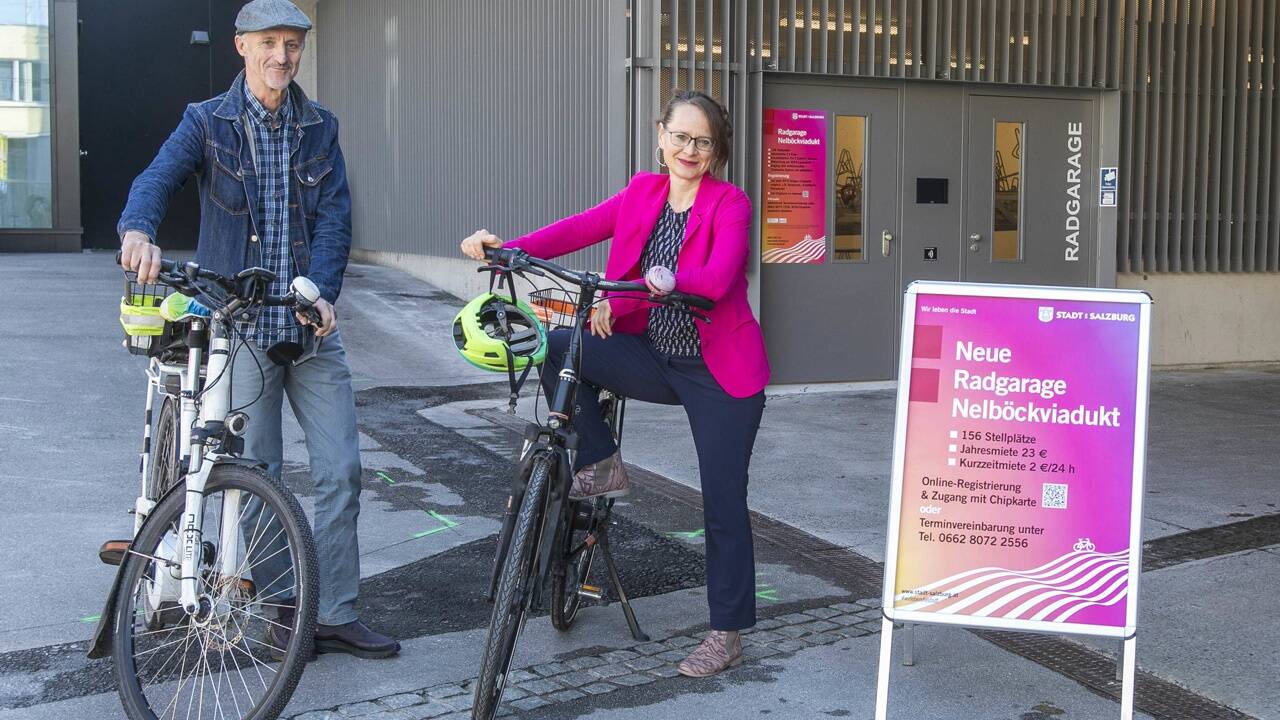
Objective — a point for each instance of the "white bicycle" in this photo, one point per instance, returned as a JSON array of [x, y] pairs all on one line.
[[214, 604]]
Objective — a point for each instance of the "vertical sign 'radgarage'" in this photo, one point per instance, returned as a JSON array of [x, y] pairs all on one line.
[[1018, 463], [795, 187], [1075, 147]]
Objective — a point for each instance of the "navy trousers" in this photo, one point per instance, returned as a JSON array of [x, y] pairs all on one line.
[[724, 431]]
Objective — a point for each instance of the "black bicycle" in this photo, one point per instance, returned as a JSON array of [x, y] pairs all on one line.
[[547, 539]]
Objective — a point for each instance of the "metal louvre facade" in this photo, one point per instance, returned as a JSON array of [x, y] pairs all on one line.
[[506, 115], [1199, 124]]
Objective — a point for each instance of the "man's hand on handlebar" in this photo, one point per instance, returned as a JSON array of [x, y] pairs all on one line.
[[139, 255], [328, 318], [475, 243]]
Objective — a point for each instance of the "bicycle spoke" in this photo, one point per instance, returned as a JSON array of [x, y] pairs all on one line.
[[186, 647], [263, 618], [256, 538], [223, 666], [242, 570], [255, 665], [286, 571], [240, 673], [177, 692], [251, 657], [157, 648]]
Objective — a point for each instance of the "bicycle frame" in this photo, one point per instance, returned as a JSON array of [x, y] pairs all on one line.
[[201, 418]]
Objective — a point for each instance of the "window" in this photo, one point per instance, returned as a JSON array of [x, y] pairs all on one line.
[[1007, 196], [851, 136], [26, 149]]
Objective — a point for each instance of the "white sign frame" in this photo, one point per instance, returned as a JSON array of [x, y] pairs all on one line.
[[1129, 632]]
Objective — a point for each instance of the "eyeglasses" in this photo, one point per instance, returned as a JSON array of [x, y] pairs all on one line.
[[682, 140]]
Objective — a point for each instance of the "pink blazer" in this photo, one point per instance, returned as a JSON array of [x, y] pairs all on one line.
[[712, 263]]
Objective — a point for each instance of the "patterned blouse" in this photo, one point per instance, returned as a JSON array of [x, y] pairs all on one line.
[[670, 331]]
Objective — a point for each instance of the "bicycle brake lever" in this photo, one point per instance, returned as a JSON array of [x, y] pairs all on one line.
[[699, 316]]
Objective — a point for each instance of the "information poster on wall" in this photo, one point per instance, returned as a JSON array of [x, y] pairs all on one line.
[[1019, 457], [795, 187]]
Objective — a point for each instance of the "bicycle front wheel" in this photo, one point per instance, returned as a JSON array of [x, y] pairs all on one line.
[[242, 653], [515, 583]]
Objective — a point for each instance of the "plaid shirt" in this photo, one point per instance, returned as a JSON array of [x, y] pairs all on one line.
[[271, 141]]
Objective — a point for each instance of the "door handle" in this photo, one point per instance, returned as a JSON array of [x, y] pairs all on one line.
[[886, 237], [974, 241]]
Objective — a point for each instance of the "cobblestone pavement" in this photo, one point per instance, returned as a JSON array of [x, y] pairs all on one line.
[[536, 686]]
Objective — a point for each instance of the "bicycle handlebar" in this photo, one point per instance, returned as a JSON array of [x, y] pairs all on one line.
[[186, 278], [515, 259]]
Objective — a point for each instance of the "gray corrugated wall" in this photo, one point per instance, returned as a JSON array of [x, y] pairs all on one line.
[[482, 113], [1200, 119]]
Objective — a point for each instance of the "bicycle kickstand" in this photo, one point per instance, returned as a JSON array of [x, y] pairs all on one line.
[[636, 632]]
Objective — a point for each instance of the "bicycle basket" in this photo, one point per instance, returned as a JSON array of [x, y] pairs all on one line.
[[554, 307], [140, 315]]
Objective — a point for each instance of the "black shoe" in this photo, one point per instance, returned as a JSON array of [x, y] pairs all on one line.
[[355, 638], [279, 633]]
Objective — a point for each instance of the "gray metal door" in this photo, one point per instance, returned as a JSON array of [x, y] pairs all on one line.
[[1030, 190], [836, 320]]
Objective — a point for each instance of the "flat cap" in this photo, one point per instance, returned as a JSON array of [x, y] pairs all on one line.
[[266, 14]]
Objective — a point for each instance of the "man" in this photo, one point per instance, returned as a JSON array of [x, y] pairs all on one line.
[[273, 193]]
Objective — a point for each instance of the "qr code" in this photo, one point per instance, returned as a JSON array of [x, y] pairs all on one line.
[[1054, 496]]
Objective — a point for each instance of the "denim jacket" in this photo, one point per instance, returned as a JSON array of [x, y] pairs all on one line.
[[213, 144]]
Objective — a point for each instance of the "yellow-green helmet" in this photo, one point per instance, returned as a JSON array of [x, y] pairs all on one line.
[[478, 333]]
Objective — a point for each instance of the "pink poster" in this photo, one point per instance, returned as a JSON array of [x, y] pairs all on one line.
[[1021, 460], [795, 187]]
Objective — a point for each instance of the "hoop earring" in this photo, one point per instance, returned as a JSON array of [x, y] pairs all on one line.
[[659, 154]]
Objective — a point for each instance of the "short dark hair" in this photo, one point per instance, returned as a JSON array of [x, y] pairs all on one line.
[[717, 118]]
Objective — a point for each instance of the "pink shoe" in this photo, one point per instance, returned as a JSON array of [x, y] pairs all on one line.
[[607, 478], [722, 649]]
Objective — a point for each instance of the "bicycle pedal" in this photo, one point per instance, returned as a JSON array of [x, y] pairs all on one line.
[[112, 552], [591, 591]]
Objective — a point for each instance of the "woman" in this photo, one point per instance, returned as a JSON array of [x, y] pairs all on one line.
[[696, 225]]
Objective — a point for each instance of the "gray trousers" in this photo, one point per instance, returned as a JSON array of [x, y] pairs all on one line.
[[319, 390]]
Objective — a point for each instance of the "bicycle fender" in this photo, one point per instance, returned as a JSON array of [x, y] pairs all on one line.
[[104, 635]]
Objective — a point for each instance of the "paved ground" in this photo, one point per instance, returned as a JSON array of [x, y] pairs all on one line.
[[433, 442]]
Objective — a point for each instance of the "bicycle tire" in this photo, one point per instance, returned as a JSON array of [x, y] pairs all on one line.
[[514, 586], [235, 598], [568, 573], [165, 467]]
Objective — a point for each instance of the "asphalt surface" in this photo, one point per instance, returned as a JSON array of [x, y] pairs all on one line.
[[436, 450]]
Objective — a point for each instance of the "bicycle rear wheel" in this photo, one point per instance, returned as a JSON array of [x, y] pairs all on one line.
[[241, 656], [515, 584], [166, 462], [576, 542], [575, 554]]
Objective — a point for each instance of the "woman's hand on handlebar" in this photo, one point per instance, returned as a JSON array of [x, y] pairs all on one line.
[[328, 318], [602, 320], [139, 255], [475, 243]]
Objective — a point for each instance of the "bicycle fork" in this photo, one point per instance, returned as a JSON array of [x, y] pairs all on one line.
[[214, 408]]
